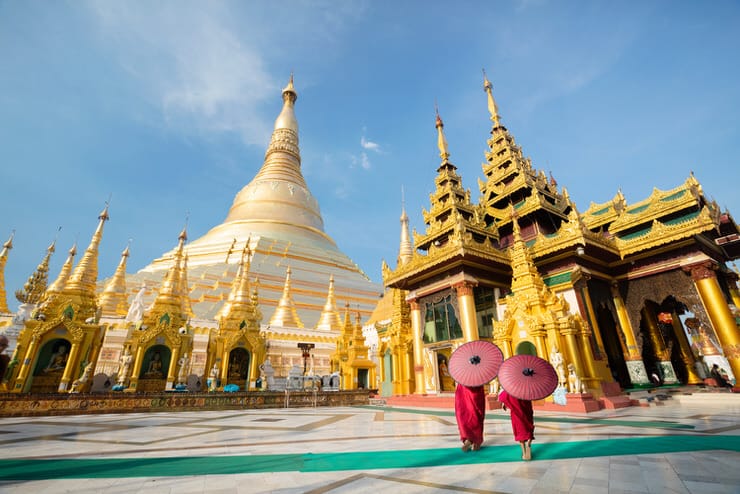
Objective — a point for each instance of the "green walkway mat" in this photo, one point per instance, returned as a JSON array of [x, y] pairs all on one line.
[[46, 469]]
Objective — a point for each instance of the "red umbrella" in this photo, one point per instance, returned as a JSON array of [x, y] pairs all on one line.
[[528, 377], [475, 363]]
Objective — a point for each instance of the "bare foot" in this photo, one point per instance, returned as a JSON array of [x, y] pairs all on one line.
[[467, 445], [476, 447]]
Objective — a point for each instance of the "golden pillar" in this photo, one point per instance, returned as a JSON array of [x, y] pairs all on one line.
[[719, 313], [71, 366], [571, 343], [582, 287], [134, 381], [406, 369], [656, 336], [20, 381], [172, 370], [539, 342], [588, 357], [687, 356], [625, 325], [466, 303], [416, 324]]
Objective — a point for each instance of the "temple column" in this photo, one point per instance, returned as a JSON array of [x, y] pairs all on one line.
[[20, 381], [635, 365], [656, 338], [571, 343], [687, 356], [719, 313], [172, 370], [584, 297], [70, 367], [416, 323], [134, 381], [466, 303]]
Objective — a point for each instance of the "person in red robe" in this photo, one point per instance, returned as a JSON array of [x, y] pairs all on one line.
[[470, 412], [522, 421]]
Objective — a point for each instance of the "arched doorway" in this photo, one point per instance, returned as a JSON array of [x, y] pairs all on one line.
[[50, 364], [526, 348], [238, 367], [154, 369]]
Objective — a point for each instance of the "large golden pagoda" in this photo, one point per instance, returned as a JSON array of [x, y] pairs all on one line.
[[281, 219]]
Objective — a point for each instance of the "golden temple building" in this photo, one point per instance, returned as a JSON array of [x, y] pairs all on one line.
[[622, 295]]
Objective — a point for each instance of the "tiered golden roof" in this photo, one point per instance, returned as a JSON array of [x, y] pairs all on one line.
[[35, 287]]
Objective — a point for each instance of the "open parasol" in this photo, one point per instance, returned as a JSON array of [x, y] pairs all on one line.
[[528, 377], [475, 363]]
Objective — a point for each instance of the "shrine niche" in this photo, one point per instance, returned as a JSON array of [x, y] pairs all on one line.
[[50, 365], [154, 369]]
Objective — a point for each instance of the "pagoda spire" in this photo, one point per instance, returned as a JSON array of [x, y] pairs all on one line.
[[329, 319], [169, 298], [58, 285], [524, 273], [187, 307], [34, 289], [285, 315], [82, 282], [405, 250], [285, 134], [113, 301], [240, 306], [4, 259], [492, 108], [441, 141]]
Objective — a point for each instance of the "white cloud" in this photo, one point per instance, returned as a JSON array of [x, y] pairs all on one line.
[[369, 145], [191, 65]]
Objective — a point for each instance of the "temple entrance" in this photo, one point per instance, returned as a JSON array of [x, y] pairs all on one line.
[[661, 348], [386, 387], [446, 383], [154, 368], [238, 367], [362, 378], [50, 365], [613, 347]]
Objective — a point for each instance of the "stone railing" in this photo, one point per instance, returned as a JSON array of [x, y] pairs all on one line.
[[27, 405]]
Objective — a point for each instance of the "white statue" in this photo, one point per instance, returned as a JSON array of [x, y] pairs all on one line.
[[125, 367], [213, 380], [182, 375], [574, 382], [268, 374], [80, 383], [556, 359], [136, 310]]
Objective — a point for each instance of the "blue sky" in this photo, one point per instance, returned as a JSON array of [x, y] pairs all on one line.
[[167, 108]]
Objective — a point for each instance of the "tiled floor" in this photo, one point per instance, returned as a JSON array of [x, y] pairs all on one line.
[[690, 444]]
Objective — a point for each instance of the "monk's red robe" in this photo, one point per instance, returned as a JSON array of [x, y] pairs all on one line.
[[522, 416], [470, 412]]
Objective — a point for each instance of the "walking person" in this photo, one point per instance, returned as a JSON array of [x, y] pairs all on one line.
[[522, 421], [473, 365]]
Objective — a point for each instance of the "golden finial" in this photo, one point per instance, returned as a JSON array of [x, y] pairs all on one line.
[[289, 90], [329, 318], [492, 108], [84, 278], [441, 141]]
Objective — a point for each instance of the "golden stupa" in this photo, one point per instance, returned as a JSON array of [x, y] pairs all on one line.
[[280, 218]]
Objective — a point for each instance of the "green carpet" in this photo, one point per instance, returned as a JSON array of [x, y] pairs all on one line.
[[325, 462]]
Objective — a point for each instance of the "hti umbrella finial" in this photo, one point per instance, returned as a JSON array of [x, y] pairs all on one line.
[[475, 360], [527, 371]]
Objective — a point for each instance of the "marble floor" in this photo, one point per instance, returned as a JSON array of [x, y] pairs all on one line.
[[689, 444]]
